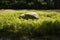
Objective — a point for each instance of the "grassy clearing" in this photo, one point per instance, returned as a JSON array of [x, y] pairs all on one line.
[[48, 24]]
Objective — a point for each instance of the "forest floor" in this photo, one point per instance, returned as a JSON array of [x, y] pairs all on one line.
[[9, 17]]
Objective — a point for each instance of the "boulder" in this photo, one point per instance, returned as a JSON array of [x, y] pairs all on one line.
[[30, 15]]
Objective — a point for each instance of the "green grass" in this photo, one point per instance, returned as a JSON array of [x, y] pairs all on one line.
[[47, 24]]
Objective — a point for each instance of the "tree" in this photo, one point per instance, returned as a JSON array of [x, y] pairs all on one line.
[[57, 4], [50, 4]]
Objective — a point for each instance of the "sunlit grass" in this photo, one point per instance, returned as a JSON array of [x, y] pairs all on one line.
[[9, 20]]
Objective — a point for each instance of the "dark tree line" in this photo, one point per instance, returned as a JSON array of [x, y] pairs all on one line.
[[29, 4]]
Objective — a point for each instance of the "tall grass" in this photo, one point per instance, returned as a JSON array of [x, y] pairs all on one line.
[[47, 24]]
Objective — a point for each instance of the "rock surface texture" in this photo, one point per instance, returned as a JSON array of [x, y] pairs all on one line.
[[30, 15]]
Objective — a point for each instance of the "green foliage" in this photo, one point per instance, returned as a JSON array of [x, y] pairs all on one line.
[[28, 4], [49, 23]]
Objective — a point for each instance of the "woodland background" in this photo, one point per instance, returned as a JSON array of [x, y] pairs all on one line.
[[29, 4]]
